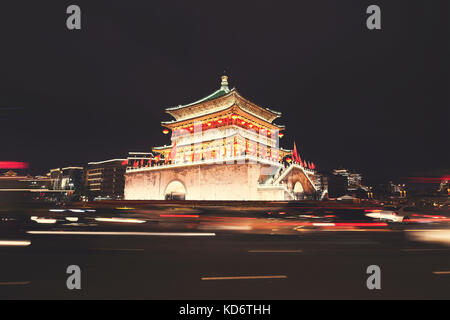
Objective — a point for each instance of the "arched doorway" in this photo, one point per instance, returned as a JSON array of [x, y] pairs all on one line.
[[175, 191], [298, 191]]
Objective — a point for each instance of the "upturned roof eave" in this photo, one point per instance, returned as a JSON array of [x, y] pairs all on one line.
[[173, 110], [212, 96], [172, 123]]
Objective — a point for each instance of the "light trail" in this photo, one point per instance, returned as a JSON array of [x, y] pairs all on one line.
[[441, 272], [108, 233], [14, 243], [179, 215], [43, 220], [121, 220]]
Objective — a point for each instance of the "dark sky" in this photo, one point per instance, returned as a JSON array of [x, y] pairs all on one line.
[[373, 101]]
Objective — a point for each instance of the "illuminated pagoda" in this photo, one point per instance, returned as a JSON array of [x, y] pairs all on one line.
[[224, 147]]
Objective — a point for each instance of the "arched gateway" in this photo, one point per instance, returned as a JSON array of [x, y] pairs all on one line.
[[175, 191], [298, 190]]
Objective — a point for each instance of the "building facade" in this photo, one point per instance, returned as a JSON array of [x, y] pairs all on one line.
[[69, 178], [105, 179], [354, 180], [223, 147]]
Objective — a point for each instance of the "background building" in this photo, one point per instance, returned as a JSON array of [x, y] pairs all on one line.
[[19, 187], [337, 185], [69, 178], [105, 179], [354, 180]]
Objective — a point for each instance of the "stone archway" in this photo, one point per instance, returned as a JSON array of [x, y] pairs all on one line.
[[298, 191], [175, 190]]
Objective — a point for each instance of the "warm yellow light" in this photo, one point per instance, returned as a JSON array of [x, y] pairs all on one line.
[[15, 243], [165, 131], [123, 220], [43, 220]]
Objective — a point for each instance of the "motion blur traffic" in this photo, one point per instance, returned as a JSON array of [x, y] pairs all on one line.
[[201, 250]]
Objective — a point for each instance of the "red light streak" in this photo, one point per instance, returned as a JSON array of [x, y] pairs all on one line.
[[13, 165], [429, 220]]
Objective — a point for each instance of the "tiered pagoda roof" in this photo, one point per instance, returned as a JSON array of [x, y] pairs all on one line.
[[217, 102], [222, 103]]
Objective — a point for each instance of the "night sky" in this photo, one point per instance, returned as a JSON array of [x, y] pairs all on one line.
[[373, 101]]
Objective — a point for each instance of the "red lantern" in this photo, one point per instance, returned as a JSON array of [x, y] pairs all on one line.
[[280, 135], [165, 131]]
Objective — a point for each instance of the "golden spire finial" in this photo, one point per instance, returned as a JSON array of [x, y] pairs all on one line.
[[224, 83]]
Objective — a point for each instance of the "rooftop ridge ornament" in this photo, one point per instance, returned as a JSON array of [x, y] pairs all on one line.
[[224, 84]]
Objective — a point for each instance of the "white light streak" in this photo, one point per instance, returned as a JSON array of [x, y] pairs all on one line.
[[121, 220], [15, 243]]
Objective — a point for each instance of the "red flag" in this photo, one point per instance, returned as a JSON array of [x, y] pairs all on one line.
[[313, 166], [295, 154]]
